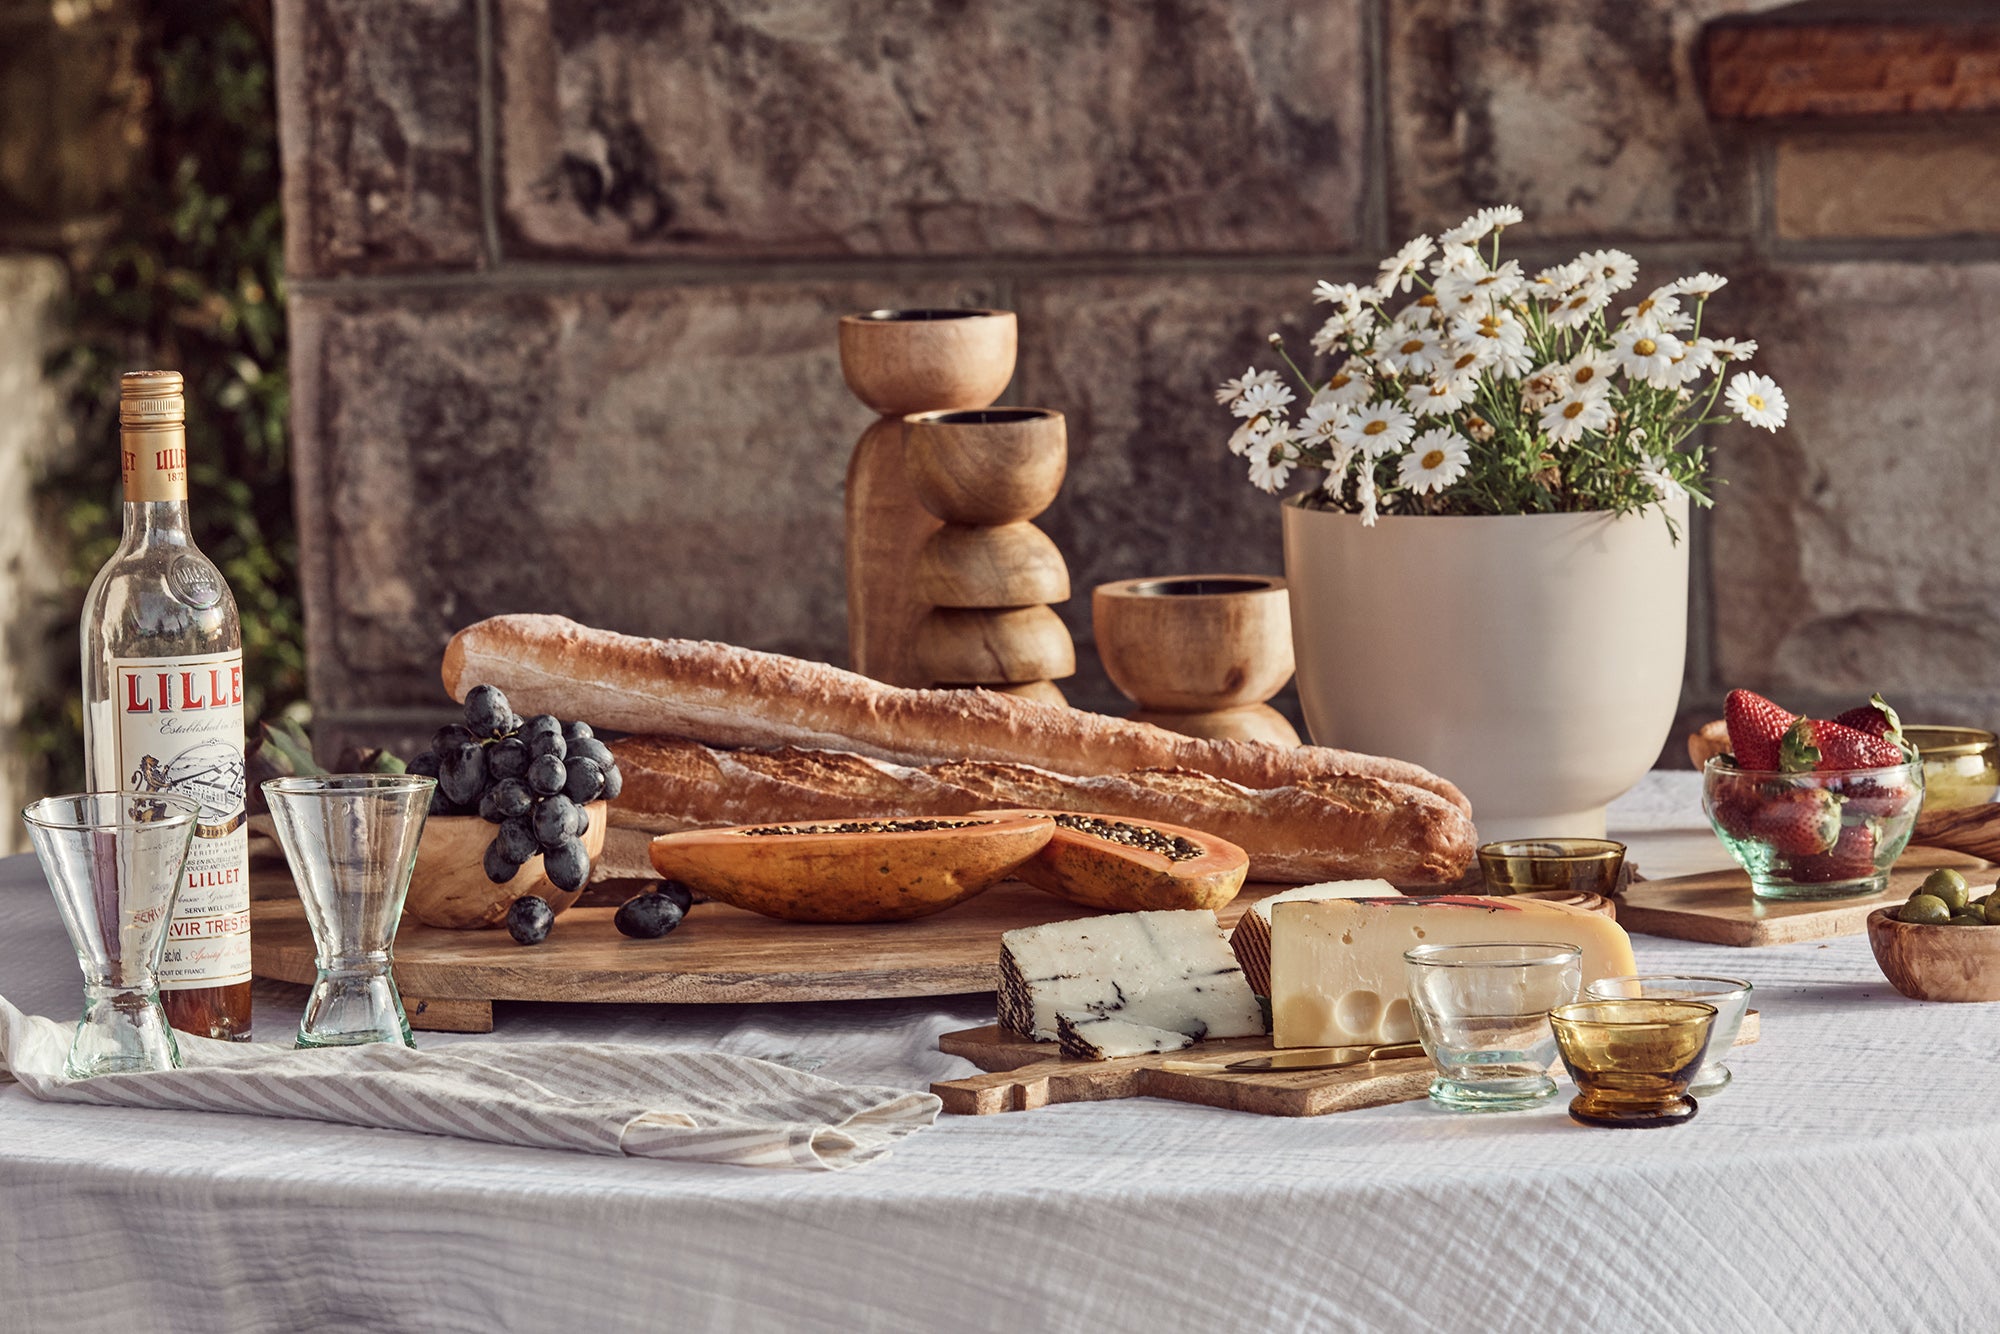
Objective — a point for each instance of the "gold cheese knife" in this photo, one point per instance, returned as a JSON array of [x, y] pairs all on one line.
[[1299, 1059]]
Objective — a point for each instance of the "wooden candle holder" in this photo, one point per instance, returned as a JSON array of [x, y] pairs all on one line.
[[898, 362], [1200, 654], [988, 573]]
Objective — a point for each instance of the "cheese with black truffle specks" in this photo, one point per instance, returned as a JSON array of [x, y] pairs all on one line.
[[1337, 971], [1163, 970], [1100, 1037], [1251, 940]]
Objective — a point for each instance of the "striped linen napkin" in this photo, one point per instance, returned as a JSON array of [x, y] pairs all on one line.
[[596, 1097]]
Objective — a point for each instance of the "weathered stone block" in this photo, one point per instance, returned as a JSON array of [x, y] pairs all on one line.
[[665, 461], [930, 127], [378, 117], [1856, 184], [1849, 549], [1586, 113]]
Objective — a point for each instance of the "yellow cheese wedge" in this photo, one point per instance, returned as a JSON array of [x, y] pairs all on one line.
[[1251, 940], [1337, 964]]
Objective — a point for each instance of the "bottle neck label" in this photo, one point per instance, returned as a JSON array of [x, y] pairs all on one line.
[[154, 461]]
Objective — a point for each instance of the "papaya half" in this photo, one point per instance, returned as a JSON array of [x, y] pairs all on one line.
[[852, 870], [1102, 861]]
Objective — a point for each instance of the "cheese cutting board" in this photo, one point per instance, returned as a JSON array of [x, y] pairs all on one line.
[[1023, 1074], [1717, 907]]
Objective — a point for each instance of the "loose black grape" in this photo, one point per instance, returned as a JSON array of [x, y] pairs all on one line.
[[514, 723], [614, 783], [590, 748], [547, 743], [462, 774], [675, 890], [517, 840], [510, 796], [567, 865], [529, 920], [443, 805], [577, 731], [486, 711], [426, 764], [585, 779], [499, 867], [450, 737], [648, 916], [550, 820], [547, 775], [506, 758]]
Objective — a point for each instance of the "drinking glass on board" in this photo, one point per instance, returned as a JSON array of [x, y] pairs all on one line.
[[351, 841], [1482, 1013], [114, 861]]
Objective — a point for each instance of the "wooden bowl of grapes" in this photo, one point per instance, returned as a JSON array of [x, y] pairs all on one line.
[[452, 889]]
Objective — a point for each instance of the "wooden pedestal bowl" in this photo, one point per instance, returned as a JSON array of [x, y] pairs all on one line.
[[1937, 963], [1199, 653], [988, 465], [450, 888], [902, 361]]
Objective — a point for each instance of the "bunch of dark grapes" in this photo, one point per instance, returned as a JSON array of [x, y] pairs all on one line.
[[531, 778]]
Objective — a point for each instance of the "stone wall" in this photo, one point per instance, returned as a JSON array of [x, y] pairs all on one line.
[[565, 279]]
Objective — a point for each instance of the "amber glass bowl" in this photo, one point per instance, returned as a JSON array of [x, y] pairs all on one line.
[[1545, 865], [1632, 1060], [1961, 765]]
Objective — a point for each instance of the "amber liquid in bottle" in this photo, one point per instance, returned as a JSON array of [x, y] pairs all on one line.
[[163, 705]]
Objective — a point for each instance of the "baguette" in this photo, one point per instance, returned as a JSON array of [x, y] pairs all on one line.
[[1339, 827], [725, 696]]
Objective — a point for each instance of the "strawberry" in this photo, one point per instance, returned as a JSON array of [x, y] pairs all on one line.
[[1756, 726], [1887, 800], [1877, 719], [1852, 858], [1798, 823], [1821, 746]]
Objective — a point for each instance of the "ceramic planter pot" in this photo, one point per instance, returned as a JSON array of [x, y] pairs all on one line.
[[1535, 660]]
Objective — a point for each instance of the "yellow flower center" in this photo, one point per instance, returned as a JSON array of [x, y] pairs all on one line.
[[1432, 459], [1585, 374], [1755, 402], [1428, 299], [1579, 301], [1574, 410], [1412, 347], [1340, 381], [1645, 347], [1643, 307], [1375, 427], [1468, 359]]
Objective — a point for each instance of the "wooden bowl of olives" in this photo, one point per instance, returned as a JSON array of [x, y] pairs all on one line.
[[1936, 946]]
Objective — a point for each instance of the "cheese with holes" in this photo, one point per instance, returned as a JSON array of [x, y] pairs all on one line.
[[1162, 970], [1251, 940], [1337, 973], [1100, 1037]]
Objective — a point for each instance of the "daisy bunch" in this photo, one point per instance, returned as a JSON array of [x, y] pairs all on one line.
[[1456, 382]]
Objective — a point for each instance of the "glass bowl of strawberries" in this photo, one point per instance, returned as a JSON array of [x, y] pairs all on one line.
[[1813, 808]]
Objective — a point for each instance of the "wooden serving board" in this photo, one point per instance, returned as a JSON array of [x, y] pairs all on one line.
[[1718, 908], [450, 979], [1023, 1075]]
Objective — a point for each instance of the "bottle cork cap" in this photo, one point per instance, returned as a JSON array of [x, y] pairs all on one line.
[[151, 398]]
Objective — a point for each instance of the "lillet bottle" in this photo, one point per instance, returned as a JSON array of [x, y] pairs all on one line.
[[163, 705]]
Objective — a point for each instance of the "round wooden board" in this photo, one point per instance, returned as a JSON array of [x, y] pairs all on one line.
[[718, 954]]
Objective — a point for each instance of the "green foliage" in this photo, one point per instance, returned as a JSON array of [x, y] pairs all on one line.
[[192, 279]]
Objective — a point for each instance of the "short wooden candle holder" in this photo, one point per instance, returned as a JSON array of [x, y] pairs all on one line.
[[988, 573], [1200, 654], [898, 362]]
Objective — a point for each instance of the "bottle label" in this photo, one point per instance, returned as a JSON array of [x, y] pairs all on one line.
[[153, 459], [180, 729]]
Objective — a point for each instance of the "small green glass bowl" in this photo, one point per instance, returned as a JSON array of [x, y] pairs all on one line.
[[1552, 865], [1961, 765]]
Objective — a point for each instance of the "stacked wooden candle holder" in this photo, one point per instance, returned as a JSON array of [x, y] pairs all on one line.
[[988, 573]]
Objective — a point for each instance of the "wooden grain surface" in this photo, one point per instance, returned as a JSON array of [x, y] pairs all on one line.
[[1718, 908], [1023, 1074]]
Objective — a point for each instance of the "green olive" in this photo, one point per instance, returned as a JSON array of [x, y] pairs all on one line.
[[1966, 919], [1948, 885], [1924, 909]]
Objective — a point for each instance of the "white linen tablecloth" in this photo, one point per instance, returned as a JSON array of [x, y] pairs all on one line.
[[1845, 1181]]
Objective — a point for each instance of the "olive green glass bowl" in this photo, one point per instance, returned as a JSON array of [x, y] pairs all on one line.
[[1961, 765], [1632, 1060], [1551, 865]]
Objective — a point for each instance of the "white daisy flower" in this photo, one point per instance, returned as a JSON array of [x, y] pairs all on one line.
[[1321, 421], [1559, 280], [1437, 458], [1659, 312], [1377, 429], [1467, 358], [1542, 388], [1479, 224], [1400, 269], [1232, 390], [1581, 304], [1443, 394], [1664, 487], [1504, 339], [1732, 349], [1568, 419], [1341, 294], [1271, 463], [1700, 286], [1350, 386], [1409, 351], [1615, 269], [1479, 428], [1590, 371], [1757, 400], [1646, 355], [1264, 399], [1246, 436], [1364, 492], [1456, 258], [1336, 471], [1460, 287]]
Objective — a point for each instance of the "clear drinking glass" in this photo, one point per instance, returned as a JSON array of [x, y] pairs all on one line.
[[1482, 1012], [351, 840], [114, 861], [1730, 998]]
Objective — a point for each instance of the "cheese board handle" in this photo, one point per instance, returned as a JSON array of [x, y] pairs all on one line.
[[1027, 1087]]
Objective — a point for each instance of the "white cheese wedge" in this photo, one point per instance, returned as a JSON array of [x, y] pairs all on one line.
[[1337, 973], [1164, 970], [1251, 940], [1099, 1037]]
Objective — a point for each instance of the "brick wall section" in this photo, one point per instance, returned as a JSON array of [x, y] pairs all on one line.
[[566, 276]]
